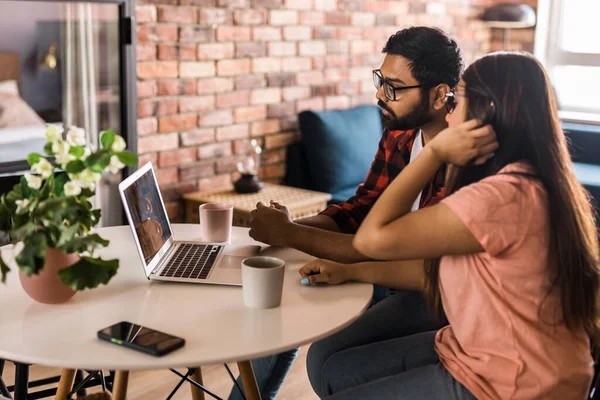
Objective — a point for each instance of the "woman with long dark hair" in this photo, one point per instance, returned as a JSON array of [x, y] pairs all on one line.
[[514, 250]]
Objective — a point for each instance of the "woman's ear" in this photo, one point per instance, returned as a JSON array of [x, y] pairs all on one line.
[[439, 96]]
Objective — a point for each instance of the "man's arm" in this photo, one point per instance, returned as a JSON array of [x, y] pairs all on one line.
[[320, 221]]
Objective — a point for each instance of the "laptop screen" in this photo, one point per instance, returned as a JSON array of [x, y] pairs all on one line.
[[147, 215]]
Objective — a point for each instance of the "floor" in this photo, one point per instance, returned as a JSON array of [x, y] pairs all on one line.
[[156, 385]]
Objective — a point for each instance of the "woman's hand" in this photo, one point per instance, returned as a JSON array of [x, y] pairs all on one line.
[[325, 271], [465, 143]]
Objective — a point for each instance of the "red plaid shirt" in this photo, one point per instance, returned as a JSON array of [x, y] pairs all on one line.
[[392, 156]]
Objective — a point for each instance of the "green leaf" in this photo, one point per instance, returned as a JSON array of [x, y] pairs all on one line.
[[101, 162], [67, 234], [48, 149], [77, 151], [3, 270], [59, 184], [75, 167], [26, 191], [81, 244], [33, 158], [31, 259], [128, 158], [88, 273], [47, 187], [24, 230], [107, 138]]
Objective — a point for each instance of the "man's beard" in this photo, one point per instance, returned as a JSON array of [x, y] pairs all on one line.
[[416, 118]]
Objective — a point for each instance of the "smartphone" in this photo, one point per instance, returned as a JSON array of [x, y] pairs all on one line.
[[141, 338]]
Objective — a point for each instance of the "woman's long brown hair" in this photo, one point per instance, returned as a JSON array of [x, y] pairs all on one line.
[[512, 92]]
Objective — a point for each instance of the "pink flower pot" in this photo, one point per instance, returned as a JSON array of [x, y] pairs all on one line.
[[46, 287]]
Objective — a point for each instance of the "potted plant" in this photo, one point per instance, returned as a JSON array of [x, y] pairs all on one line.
[[49, 217]]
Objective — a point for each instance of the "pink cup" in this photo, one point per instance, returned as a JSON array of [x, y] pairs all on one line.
[[215, 222]]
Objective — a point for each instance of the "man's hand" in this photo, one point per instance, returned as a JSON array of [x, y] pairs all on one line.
[[270, 224], [325, 271]]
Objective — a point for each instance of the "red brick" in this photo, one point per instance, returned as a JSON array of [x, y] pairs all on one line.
[[232, 132], [282, 49], [282, 79], [349, 33], [363, 99], [156, 69], [362, 47], [215, 51], [363, 19], [324, 32], [201, 170], [175, 193], [169, 2], [325, 5], [292, 64], [312, 48], [242, 146], [214, 85], [234, 99], [297, 33], [338, 47], [160, 107], [298, 4], [268, 3], [196, 103], [309, 78], [227, 164], [289, 122], [251, 49], [266, 33], [247, 82], [251, 113], [217, 118], [283, 17], [196, 69], [280, 140], [337, 19], [185, 52], [146, 51], [194, 34], [197, 137], [233, 34], [234, 3], [174, 211], [295, 93], [219, 182], [154, 143], [385, 20], [176, 157], [212, 16], [274, 156], [162, 33], [350, 5], [177, 15], [143, 159], [360, 74], [214, 150], [202, 3], [265, 96], [261, 128], [318, 62], [146, 89], [145, 14], [323, 90], [337, 102], [312, 18], [146, 126], [266, 64], [176, 87], [250, 17], [276, 171], [168, 176], [335, 75], [233, 67], [177, 123], [281, 110], [315, 104]]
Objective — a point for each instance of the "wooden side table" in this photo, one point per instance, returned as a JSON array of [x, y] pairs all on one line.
[[300, 202]]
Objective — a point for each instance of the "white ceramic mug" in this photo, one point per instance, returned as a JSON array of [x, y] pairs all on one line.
[[262, 281], [215, 222]]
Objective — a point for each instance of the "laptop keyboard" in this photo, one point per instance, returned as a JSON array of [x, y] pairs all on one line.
[[192, 261]]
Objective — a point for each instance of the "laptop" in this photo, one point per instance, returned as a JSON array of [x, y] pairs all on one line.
[[163, 257]]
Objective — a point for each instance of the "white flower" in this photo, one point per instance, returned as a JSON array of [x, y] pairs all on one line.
[[61, 152], [86, 153], [76, 136], [17, 249], [33, 181], [118, 145], [53, 133], [22, 205], [43, 167], [115, 165], [87, 179], [72, 188]]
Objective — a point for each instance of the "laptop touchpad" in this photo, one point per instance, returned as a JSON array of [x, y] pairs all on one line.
[[231, 262]]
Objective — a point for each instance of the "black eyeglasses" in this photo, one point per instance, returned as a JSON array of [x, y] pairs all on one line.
[[389, 89], [451, 101]]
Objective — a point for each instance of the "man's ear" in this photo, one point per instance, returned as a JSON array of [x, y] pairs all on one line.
[[439, 98]]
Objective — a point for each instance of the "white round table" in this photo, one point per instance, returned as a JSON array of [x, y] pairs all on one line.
[[213, 320]]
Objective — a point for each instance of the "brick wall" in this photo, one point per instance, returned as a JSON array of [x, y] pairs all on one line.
[[214, 74]]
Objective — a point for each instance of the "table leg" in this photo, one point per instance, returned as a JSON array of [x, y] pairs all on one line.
[[65, 384], [21, 381], [197, 393], [120, 385], [249, 380]]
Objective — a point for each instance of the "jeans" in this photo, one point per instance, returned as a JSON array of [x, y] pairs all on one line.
[[406, 368], [402, 314]]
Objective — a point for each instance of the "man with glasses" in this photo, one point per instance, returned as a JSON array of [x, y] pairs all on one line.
[[421, 67]]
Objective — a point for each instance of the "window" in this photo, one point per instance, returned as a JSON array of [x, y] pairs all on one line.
[[568, 44]]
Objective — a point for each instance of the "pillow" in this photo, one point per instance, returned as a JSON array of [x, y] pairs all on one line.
[[340, 145], [9, 87], [14, 112]]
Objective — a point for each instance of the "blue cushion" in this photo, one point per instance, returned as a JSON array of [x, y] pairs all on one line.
[[340, 145]]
